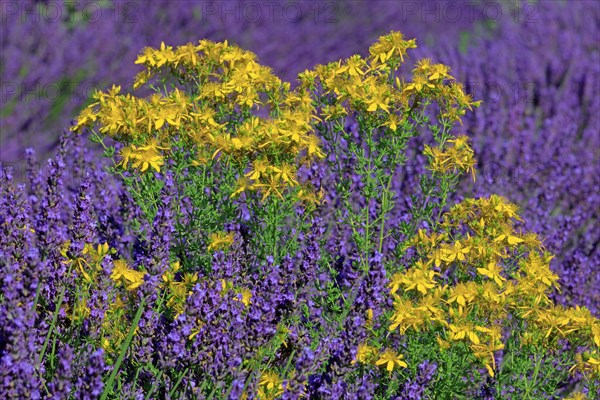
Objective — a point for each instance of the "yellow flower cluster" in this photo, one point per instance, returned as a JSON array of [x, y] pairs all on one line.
[[363, 85], [458, 157], [367, 354], [512, 275], [588, 363], [88, 264], [220, 241], [113, 334], [270, 386], [390, 46], [122, 273], [215, 117], [576, 396], [143, 157], [242, 294], [178, 290], [221, 114]]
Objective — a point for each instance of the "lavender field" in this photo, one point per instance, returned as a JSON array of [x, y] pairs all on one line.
[[299, 199]]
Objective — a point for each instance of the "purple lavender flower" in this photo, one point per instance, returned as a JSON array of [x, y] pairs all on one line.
[[89, 384], [415, 388]]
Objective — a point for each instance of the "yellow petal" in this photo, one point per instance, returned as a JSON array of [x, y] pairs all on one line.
[[514, 240]]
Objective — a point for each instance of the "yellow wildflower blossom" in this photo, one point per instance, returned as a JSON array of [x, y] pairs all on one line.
[[122, 273], [417, 85], [270, 381], [420, 279], [246, 296], [391, 359], [462, 294], [148, 158], [493, 271], [242, 184], [364, 354], [486, 352], [220, 240], [378, 100], [456, 253]]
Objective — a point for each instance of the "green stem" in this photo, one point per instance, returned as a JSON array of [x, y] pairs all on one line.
[[124, 347], [384, 204], [54, 318], [153, 387], [172, 391]]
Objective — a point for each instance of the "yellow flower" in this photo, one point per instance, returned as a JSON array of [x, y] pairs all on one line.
[[489, 292], [287, 172], [538, 270], [392, 121], [463, 331], [462, 293], [418, 84], [246, 295], [460, 141], [148, 156], [464, 100], [188, 54], [270, 380], [333, 111], [485, 352], [492, 271], [554, 318], [165, 55], [242, 184], [390, 45], [422, 66], [273, 186], [444, 345], [220, 240], [259, 169], [576, 396], [391, 359], [354, 66], [378, 100], [588, 363], [596, 333], [420, 279], [431, 305], [190, 278], [127, 154], [86, 117], [395, 282], [364, 353], [439, 71], [435, 256], [244, 143], [510, 239], [307, 78], [457, 252], [121, 272]]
